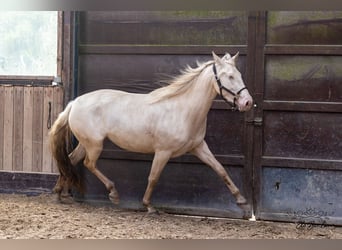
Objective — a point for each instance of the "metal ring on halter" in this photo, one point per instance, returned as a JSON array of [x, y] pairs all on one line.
[[221, 87]]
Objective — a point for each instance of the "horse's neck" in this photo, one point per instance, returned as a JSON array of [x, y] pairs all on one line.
[[201, 95]]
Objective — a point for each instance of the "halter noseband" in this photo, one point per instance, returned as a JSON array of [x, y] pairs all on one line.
[[221, 87]]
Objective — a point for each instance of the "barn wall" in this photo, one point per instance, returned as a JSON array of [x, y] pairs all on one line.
[[26, 115]]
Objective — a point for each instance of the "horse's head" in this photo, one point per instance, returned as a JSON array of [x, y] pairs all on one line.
[[229, 83]]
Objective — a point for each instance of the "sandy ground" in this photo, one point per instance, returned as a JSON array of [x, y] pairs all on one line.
[[42, 217]]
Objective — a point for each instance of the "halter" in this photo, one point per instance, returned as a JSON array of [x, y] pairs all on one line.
[[221, 87]]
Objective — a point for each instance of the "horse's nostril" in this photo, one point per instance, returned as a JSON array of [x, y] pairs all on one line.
[[247, 103]]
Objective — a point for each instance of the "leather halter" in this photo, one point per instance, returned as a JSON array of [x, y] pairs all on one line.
[[221, 87]]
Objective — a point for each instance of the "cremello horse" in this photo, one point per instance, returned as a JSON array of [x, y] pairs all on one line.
[[169, 122]]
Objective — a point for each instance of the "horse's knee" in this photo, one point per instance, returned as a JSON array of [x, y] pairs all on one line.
[[152, 181]]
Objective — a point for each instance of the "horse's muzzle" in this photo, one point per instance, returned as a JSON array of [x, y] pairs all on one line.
[[245, 101]]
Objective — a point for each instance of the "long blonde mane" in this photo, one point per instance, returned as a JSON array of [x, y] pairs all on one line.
[[179, 84]]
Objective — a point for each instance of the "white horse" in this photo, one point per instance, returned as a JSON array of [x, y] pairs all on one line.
[[169, 122]]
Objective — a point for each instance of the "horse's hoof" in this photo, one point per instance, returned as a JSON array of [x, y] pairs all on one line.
[[240, 200], [246, 208], [65, 199], [152, 212], [114, 197]]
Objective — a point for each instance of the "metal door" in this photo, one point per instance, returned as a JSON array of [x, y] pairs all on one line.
[[298, 133]]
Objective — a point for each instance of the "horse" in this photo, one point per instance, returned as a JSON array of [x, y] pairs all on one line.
[[167, 122]]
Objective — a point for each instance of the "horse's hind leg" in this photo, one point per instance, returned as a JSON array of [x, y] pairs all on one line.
[[77, 154], [205, 155], [159, 161], [92, 154], [62, 188]]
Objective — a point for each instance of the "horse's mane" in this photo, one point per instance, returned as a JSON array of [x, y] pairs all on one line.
[[179, 84]]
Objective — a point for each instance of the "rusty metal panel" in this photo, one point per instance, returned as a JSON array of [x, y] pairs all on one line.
[[304, 27], [225, 132], [164, 27], [301, 195], [303, 135], [304, 78]]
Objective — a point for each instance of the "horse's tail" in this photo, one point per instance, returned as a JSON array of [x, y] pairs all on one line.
[[60, 146]]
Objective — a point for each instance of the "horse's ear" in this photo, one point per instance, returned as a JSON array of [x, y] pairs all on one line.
[[217, 59], [234, 58]]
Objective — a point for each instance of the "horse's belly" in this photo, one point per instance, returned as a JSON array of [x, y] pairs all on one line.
[[133, 143]]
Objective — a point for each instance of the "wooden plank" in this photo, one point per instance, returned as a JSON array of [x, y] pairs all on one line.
[[27, 183], [8, 129], [18, 115], [68, 52], [161, 49], [231, 160], [57, 107], [331, 107], [2, 104], [59, 43], [47, 123], [303, 50], [37, 134], [303, 163], [26, 79], [28, 129]]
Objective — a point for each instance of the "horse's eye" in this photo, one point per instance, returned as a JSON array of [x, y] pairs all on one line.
[[231, 77]]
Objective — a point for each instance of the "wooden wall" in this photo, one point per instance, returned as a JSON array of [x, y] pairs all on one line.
[[26, 115]]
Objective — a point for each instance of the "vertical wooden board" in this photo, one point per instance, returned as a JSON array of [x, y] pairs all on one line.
[[2, 104], [37, 133], [47, 123], [18, 115], [28, 129], [8, 129], [58, 99]]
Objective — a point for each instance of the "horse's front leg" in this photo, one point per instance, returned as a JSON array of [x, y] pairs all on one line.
[[203, 152], [159, 161]]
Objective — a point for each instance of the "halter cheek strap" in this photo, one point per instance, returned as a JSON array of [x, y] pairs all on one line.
[[221, 88]]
